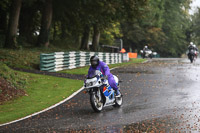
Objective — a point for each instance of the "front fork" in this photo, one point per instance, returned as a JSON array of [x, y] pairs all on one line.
[[97, 94]]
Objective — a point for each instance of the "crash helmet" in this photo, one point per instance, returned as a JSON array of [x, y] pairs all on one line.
[[191, 43], [146, 46], [94, 61], [194, 46]]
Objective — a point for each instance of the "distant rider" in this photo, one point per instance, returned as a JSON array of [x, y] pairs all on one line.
[[144, 51], [192, 46], [103, 67], [145, 48]]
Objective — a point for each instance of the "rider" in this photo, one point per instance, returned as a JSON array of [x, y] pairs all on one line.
[[103, 67], [193, 46], [145, 48]]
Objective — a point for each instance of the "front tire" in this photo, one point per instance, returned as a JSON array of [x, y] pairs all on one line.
[[191, 59], [150, 56], [143, 56], [97, 105]]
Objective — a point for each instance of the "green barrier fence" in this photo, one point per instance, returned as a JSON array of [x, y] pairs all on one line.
[[68, 60]]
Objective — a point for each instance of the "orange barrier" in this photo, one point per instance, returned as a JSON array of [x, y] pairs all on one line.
[[132, 55]]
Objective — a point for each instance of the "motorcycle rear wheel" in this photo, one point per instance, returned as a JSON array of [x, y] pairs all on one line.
[[97, 105]]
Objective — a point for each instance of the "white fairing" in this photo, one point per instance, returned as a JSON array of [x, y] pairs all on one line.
[[89, 83], [149, 51], [154, 53], [116, 79]]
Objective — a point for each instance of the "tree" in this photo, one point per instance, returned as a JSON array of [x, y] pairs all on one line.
[[13, 24], [4, 7], [29, 21], [163, 25], [43, 39], [194, 33], [96, 37], [85, 38], [175, 25]]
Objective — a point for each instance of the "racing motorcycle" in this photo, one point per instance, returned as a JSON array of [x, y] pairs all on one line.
[[101, 93], [146, 53], [191, 55]]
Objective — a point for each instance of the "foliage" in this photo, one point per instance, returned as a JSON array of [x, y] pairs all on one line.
[[164, 25], [110, 34], [16, 79], [195, 32]]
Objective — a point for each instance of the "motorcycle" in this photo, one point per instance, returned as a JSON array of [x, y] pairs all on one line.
[[101, 93], [191, 55], [146, 53]]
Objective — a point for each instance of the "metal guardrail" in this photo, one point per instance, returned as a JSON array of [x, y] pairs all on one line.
[[68, 60]]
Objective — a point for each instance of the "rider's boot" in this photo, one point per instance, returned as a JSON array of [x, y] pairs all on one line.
[[118, 94]]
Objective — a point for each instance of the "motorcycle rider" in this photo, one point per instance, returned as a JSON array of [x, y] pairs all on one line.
[[145, 48], [96, 64], [192, 46]]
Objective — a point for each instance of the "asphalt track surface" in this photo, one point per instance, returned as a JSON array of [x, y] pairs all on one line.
[[162, 95]]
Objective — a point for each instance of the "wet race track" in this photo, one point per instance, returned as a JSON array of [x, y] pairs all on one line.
[[161, 95]]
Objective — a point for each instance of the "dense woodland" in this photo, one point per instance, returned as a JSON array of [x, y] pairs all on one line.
[[164, 25]]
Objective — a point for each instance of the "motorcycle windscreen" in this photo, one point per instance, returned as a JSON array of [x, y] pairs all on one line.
[[93, 73]]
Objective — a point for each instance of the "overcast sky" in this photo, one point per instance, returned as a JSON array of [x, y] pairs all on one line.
[[194, 5]]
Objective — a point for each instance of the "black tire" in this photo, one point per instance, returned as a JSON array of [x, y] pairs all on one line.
[[94, 104], [191, 59], [143, 56]]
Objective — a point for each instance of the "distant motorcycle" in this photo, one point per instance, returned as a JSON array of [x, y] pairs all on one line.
[[191, 54], [147, 53], [101, 94]]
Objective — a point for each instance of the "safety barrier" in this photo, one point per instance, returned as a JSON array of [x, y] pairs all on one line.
[[132, 55], [68, 60]]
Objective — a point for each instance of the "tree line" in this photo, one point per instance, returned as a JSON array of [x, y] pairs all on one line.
[[163, 25]]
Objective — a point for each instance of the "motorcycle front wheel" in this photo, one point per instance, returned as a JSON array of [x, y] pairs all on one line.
[[96, 104], [191, 59]]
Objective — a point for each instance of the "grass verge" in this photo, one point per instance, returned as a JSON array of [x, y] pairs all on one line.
[[42, 92], [84, 70], [26, 58]]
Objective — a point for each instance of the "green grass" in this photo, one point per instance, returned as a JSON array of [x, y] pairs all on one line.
[[84, 70], [11, 76], [43, 91]]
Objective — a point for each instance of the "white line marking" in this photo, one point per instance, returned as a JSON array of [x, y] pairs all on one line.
[[71, 96], [145, 61], [113, 68]]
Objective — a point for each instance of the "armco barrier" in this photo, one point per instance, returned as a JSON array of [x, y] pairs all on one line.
[[67, 60]]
